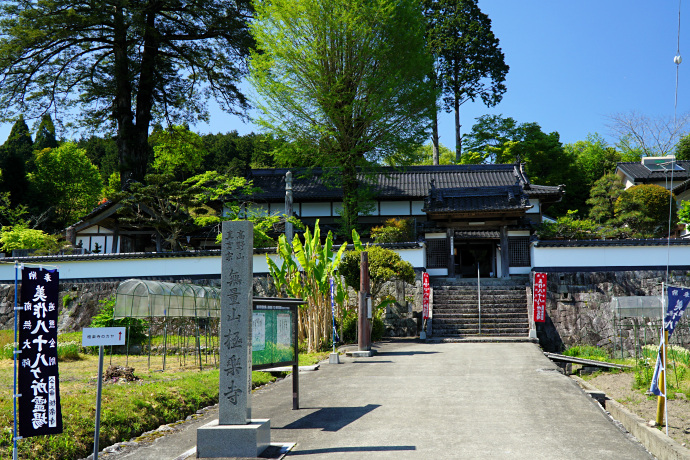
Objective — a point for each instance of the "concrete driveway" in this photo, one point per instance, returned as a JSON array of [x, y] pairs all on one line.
[[415, 400]]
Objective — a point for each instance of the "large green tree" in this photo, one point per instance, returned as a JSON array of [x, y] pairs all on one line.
[[344, 81], [647, 211], [469, 63], [66, 182], [123, 63]]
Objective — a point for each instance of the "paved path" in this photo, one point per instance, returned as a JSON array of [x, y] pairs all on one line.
[[415, 400]]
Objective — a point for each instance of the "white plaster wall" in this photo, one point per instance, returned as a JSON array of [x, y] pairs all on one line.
[[316, 209], [394, 208], [610, 256], [536, 206], [207, 266], [417, 208]]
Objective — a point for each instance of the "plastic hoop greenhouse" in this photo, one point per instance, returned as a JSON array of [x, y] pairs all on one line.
[[151, 299]]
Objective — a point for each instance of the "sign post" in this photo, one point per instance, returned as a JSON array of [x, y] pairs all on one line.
[[100, 336], [426, 291], [539, 300], [235, 433]]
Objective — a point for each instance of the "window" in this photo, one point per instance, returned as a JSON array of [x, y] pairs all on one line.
[[518, 247], [437, 253]]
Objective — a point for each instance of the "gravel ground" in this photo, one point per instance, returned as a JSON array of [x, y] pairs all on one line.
[[619, 387]]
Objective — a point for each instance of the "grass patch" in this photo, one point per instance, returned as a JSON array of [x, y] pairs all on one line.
[[128, 409], [587, 352]]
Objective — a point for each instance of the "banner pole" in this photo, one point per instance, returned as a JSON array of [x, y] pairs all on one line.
[[16, 350]]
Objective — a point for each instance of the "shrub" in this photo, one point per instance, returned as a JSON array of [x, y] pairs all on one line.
[[645, 210], [569, 228], [22, 237], [384, 265], [137, 327], [394, 231]]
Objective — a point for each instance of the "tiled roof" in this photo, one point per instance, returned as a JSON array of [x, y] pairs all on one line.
[[476, 234], [411, 182], [473, 199], [640, 173]]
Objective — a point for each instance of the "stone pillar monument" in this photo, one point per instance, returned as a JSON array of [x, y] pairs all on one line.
[[235, 434]]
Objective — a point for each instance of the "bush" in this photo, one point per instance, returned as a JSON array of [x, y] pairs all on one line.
[[384, 265], [378, 329], [394, 231], [22, 237], [645, 210], [137, 327]]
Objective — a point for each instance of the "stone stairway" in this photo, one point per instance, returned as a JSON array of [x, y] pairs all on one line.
[[503, 308]]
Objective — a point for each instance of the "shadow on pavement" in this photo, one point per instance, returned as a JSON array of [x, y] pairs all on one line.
[[351, 449], [405, 353], [330, 418]]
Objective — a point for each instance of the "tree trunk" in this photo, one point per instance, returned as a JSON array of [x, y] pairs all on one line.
[[434, 136], [458, 138], [434, 124], [350, 202]]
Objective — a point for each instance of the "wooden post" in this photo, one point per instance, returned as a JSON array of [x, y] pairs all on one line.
[[364, 335], [661, 400]]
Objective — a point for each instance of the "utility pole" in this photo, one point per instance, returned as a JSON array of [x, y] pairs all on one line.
[[288, 207], [364, 329]]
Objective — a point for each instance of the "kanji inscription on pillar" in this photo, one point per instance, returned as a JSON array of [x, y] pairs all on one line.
[[235, 324]]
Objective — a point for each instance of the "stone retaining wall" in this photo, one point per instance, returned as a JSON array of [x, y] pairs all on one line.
[[579, 313], [79, 302]]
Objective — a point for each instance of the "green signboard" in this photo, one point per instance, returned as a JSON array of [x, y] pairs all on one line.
[[274, 332]]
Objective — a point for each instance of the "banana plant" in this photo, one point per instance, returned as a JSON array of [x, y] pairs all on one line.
[[304, 272]]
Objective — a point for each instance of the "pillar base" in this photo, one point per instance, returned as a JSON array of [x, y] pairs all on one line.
[[218, 441]]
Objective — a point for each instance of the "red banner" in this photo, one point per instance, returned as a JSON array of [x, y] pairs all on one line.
[[426, 289], [539, 295]]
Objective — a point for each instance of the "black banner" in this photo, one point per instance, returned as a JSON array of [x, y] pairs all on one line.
[[38, 383]]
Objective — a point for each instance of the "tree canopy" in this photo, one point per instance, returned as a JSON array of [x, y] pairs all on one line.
[[123, 64], [646, 209], [469, 63], [67, 182], [345, 82]]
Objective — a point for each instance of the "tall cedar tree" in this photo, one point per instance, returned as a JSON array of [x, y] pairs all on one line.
[[345, 81], [15, 154], [123, 63], [469, 62]]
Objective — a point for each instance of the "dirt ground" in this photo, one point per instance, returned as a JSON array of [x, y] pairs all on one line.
[[619, 387]]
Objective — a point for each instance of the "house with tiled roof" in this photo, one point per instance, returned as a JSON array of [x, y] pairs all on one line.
[[466, 216]]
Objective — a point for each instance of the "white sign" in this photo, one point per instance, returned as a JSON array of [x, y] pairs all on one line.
[[258, 331], [96, 336], [283, 333]]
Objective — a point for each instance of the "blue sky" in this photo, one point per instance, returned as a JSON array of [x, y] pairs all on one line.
[[572, 64]]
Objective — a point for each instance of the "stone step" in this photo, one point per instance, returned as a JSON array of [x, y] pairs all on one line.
[[451, 332], [473, 316], [467, 308]]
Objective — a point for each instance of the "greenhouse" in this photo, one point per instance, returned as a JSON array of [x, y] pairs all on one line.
[[188, 311], [154, 299]]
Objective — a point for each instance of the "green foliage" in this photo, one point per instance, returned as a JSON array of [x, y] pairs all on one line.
[[136, 327], [162, 203], [53, 58], [603, 197], [45, 134], [683, 148], [587, 352], [644, 209], [306, 267], [469, 62], [394, 231], [344, 83], [67, 181], [494, 139], [568, 227], [15, 153], [102, 151], [384, 265], [423, 155], [234, 155], [178, 151], [684, 212], [21, 237], [211, 188]]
